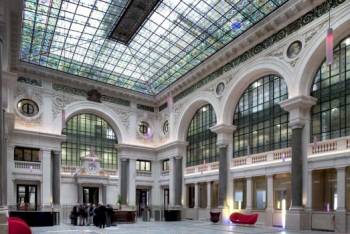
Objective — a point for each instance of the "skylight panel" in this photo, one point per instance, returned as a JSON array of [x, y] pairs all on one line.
[[72, 36]]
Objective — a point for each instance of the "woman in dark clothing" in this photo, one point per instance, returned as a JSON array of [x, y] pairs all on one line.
[[74, 216]]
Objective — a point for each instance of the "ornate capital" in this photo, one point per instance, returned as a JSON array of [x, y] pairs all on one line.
[[224, 134], [298, 108]]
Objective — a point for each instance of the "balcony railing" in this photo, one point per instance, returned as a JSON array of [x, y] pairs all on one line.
[[203, 168], [276, 155], [30, 166], [326, 146], [165, 173], [144, 173]]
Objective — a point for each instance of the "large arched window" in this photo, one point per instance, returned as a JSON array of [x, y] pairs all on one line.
[[261, 123], [201, 140], [89, 134], [331, 86]]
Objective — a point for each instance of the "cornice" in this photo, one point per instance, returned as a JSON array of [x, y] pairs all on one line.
[[298, 102], [223, 129], [172, 145], [135, 148], [40, 135]]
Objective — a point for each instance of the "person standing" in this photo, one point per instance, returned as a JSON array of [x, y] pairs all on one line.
[[101, 216]]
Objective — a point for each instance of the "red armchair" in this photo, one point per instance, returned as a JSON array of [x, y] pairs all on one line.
[[18, 226], [243, 218]]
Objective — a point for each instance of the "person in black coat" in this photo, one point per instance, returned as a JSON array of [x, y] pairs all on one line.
[[101, 216], [74, 216], [109, 213]]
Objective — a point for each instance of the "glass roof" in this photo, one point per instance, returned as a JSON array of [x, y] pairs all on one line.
[[73, 36]]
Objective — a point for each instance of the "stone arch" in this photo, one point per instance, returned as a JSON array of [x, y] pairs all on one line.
[[200, 99], [316, 54], [247, 75], [100, 110]]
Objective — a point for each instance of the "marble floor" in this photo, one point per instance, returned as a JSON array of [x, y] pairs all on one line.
[[183, 227]]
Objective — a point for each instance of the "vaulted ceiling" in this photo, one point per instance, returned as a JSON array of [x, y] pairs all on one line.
[[78, 37]]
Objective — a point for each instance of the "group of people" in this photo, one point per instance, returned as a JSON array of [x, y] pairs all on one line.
[[90, 214]]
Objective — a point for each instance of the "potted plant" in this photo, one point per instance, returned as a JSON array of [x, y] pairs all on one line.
[[119, 202]]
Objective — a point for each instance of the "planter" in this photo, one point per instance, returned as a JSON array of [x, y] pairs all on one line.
[[172, 215], [215, 216]]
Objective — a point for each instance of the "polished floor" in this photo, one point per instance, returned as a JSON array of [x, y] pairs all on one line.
[[183, 227]]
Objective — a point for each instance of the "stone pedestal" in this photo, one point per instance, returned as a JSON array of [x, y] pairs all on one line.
[[3, 220], [297, 219], [340, 221]]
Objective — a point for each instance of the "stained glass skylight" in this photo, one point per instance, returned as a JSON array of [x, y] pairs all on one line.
[[72, 36]]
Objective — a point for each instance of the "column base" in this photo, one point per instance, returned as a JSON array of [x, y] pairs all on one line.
[[297, 219], [340, 221], [268, 217], [3, 220]]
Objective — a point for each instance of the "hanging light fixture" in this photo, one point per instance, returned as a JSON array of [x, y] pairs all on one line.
[[329, 40]]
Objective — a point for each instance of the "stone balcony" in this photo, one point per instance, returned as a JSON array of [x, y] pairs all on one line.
[[329, 146], [25, 167]]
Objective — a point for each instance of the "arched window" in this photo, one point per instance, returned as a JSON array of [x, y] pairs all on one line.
[[331, 115], [201, 140], [89, 134], [262, 125]]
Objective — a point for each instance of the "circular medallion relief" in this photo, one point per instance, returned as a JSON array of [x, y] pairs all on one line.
[[220, 88], [27, 107], [143, 128], [294, 49], [166, 127]]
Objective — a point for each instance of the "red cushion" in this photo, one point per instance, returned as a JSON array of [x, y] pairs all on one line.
[[18, 226], [243, 218]]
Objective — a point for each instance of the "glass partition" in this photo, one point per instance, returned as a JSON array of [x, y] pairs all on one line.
[[259, 192], [282, 191], [240, 188], [324, 190]]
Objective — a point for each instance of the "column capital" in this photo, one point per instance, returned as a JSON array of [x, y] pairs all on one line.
[[298, 108], [224, 133], [178, 157]]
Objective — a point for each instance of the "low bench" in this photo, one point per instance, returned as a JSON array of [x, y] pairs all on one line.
[[240, 218]]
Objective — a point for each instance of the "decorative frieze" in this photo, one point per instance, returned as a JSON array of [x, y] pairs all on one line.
[[29, 81], [84, 93], [145, 108], [283, 33]]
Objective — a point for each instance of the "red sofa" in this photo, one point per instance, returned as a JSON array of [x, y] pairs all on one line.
[[18, 226], [239, 218]]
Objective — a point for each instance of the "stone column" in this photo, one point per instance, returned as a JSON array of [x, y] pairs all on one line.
[[298, 108], [340, 213], [297, 168], [123, 180], [269, 206], [156, 194], [223, 175], [249, 195], [80, 193], [56, 178], [104, 194], [178, 177], [224, 138], [196, 195], [209, 195], [132, 183], [46, 185], [3, 157], [171, 183]]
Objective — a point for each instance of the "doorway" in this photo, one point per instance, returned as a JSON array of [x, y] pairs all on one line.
[[90, 195], [27, 197], [142, 200]]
